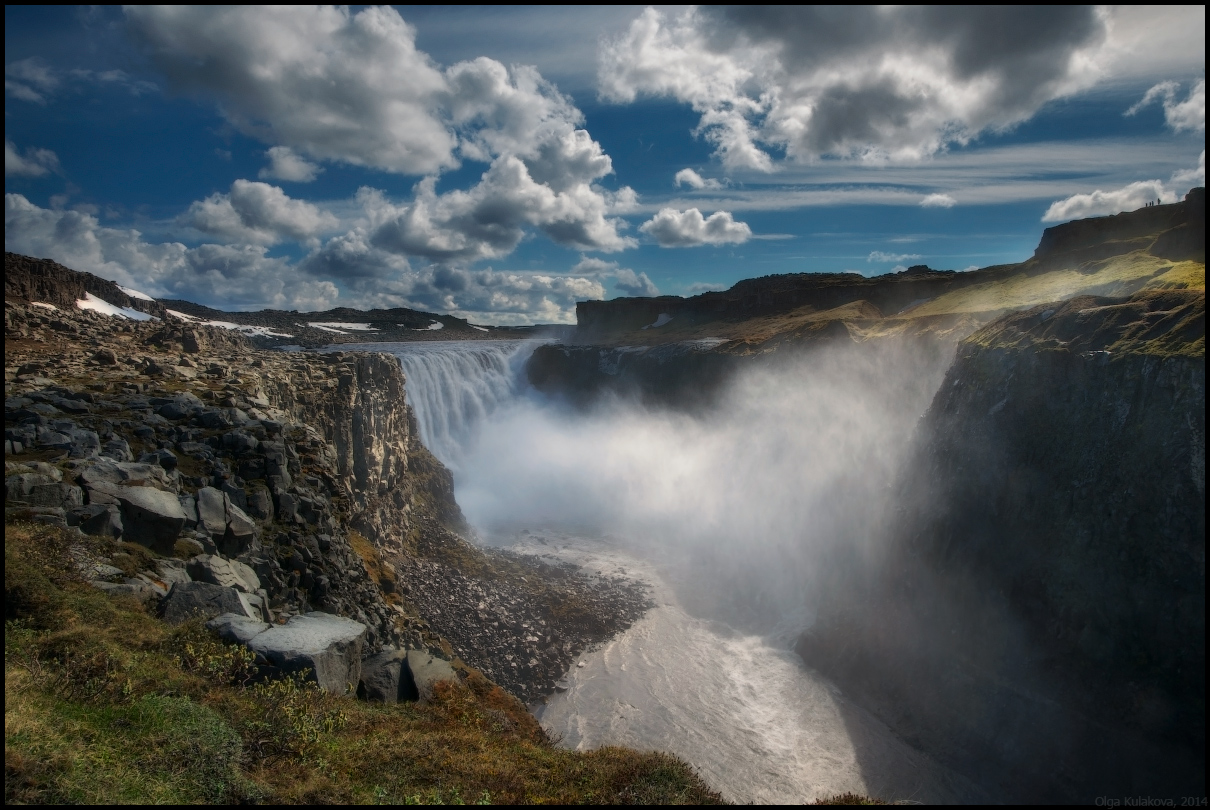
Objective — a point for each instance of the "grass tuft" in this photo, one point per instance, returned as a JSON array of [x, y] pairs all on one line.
[[105, 704]]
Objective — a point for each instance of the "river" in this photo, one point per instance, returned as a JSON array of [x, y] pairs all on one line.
[[727, 519]]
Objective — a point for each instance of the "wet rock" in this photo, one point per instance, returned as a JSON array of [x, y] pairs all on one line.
[[329, 646]]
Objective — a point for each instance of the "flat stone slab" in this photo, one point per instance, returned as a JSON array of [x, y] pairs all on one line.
[[329, 646], [236, 628]]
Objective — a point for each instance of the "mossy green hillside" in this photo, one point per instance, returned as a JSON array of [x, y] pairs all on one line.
[[104, 703], [1117, 276]]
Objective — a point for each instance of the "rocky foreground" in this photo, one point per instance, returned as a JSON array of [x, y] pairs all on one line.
[[282, 491]]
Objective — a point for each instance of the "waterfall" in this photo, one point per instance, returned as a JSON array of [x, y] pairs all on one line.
[[454, 385]]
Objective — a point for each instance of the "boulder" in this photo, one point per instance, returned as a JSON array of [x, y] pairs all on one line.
[[18, 487], [162, 458], [228, 573], [97, 519], [118, 450], [237, 628], [239, 441], [260, 504], [187, 600], [108, 471], [386, 678], [189, 507], [84, 443], [150, 516], [212, 511], [170, 571], [329, 646], [64, 495], [426, 670]]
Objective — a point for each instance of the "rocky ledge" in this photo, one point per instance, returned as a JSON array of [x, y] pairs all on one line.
[[271, 489]]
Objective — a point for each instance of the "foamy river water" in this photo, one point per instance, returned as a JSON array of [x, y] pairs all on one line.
[[739, 706]]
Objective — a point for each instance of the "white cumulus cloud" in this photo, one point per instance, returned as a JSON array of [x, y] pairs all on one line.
[[938, 201], [688, 177], [672, 228], [858, 81], [325, 82], [257, 213], [1192, 177], [1189, 114], [241, 276], [34, 163], [285, 164], [626, 280], [489, 219]]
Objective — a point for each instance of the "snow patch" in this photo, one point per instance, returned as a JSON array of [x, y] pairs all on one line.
[[90, 301], [663, 318], [246, 329], [44, 305], [481, 328], [142, 296], [432, 326]]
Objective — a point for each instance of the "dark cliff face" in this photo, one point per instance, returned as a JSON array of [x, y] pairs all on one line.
[[1176, 231], [1040, 616], [30, 279]]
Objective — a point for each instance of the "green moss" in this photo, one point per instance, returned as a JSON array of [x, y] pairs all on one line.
[[1180, 276], [106, 704], [1118, 276]]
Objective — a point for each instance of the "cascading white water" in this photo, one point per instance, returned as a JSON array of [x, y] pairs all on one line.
[[453, 386], [730, 517]]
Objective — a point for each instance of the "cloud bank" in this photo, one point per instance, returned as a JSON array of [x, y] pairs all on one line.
[[871, 82]]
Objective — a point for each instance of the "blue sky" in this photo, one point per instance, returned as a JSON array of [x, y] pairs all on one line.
[[501, 163]]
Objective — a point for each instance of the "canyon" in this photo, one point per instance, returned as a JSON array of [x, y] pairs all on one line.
[[974, 502]]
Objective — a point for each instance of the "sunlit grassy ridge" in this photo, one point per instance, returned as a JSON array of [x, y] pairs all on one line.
[[105, 704], [1118, 276], [1157, 323]]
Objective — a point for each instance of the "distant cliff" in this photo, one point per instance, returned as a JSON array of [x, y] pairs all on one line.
[[1175, 232], [30, 279]]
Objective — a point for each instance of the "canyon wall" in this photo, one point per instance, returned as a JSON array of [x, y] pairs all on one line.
[[1039, 617]]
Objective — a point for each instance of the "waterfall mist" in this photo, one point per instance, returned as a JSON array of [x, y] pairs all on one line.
[[749, 507]]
